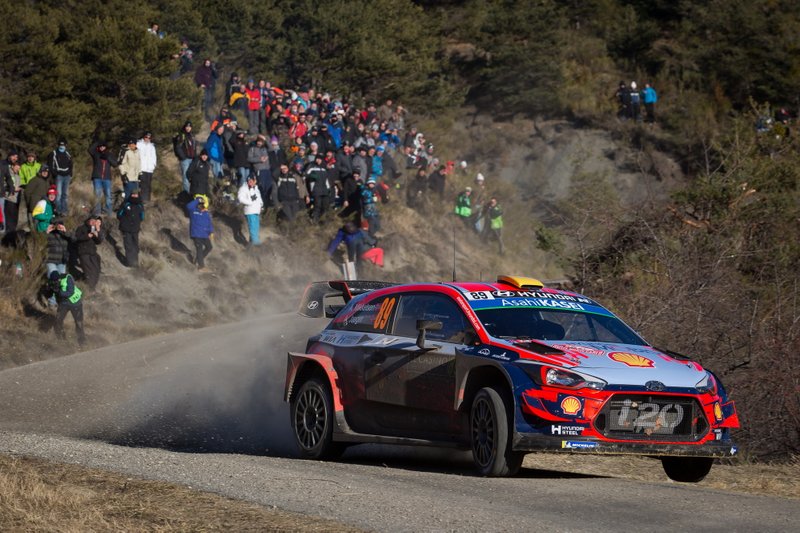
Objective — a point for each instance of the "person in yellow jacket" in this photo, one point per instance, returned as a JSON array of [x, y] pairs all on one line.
[[463, 208], [495, 214], [29, 168]]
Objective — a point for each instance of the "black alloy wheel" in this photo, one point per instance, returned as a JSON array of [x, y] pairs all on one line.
[[312, 421], [490, 436]]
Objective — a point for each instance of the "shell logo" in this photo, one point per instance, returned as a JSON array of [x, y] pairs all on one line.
[[570, 405], [631, 359], [718, 411]]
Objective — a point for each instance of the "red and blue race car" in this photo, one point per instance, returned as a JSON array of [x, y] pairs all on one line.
[[502, 368]]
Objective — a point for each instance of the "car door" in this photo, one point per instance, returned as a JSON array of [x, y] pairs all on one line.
[[412, 389]]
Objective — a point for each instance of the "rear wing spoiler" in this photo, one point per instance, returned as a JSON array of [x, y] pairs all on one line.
[[314, 298]]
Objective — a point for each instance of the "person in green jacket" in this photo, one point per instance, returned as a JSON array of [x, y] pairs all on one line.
[[495, 213], [29, 168], [464, 207], [70, 300], [44, 210]]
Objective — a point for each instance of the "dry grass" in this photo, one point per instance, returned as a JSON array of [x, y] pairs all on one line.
[[36, 495]]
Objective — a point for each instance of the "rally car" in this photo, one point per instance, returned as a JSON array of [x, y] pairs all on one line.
[[502, 368]]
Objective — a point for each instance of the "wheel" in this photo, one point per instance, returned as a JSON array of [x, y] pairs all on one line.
[[490, 436], [312, 421], [687, 469]]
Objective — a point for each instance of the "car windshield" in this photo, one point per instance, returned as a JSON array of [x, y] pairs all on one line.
[[552, 325]]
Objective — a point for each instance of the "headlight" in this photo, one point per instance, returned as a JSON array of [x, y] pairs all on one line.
[[707, 385], [571, 380]]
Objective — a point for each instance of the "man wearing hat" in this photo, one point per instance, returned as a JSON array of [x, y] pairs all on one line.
[[149, 160], [87, 236], [60, 162], [369, 206], [130, 216], [290, 191], [29, 168], [198, 174], [70, 300], [463, 208], [102, 161], [185, 148], [201, 231], [130, 168], [43, 210], [318, 186]]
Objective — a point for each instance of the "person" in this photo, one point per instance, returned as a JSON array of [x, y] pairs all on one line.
[[10, 198], [185, 148], [369, 206], [201, 231], [318, 187], [29, 168], [254, 114], [437, 178], [241, 148], [464, 207], [622, 96], [479, 203], [36, 190], [258, 159], [360, 244], [130, 168], [7, 182], [250, 197], [276, 155], [291, 190], [60, 161], [216, 150], [149, 160], [206, 78], [198, 173], [70, 300], [87, 236], [58, 241], [417, 189], [130, 216], [102, 161], [636, 102], [44, 210], [650, 98], [495, 232]]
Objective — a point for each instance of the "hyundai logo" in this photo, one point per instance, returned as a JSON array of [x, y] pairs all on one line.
[[655, 386], [313, 304]]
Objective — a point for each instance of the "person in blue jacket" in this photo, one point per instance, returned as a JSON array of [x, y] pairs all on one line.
[[650, 98], [216, 150], [357, 241], [201, 231]]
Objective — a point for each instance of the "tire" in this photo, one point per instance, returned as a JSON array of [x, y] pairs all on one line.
[[313, 419], [687, 469], [490, 436]]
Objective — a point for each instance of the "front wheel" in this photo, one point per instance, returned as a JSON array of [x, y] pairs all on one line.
[[687, 469], [491, 436], [312, 421]]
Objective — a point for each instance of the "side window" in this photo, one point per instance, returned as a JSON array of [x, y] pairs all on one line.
[[413, 307], [369, 316]]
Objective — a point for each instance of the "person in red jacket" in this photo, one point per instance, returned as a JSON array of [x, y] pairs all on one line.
[[254, 114]]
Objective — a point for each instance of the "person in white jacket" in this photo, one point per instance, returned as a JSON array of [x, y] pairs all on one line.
[[250, 198], [148, 158]]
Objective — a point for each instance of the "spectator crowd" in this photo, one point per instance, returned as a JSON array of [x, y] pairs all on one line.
[[279, 154]]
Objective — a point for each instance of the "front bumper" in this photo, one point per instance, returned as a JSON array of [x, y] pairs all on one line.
[[530, 442]]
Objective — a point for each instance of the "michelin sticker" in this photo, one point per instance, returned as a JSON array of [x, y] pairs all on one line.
[[577, 445]]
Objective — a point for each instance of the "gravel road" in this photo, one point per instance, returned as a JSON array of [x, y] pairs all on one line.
[[203, 408]]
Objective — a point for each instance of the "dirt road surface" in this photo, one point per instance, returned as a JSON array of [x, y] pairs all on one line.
[[204, 408]]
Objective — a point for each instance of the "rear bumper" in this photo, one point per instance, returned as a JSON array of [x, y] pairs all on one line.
[[529, 442]]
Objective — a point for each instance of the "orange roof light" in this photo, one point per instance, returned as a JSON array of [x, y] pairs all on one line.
[[520, 282]]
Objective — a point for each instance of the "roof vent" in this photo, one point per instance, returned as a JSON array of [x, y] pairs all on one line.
[[520, 282]]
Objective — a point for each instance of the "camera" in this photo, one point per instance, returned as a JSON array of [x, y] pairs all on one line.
[[253, 197]]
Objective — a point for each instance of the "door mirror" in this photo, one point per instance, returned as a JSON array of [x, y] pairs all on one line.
[[422, 327]]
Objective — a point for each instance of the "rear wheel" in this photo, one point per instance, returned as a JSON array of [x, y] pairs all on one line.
[[491, 435], [312, 421], [687, 469]]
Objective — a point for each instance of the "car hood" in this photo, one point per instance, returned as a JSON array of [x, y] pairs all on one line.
[[629, 364]]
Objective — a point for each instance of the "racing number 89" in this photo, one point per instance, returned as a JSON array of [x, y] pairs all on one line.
[[383, 313]]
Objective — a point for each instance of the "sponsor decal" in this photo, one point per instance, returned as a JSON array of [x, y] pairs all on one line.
[[468, 311], [631, 359], [541, 302], [577, 445], [718, 411], [571, 405], [484, 351], [585, 350], [717, 434], [501, 356], [655, 386], [313, 304], [564, 430], [383, 340], [383, 314]]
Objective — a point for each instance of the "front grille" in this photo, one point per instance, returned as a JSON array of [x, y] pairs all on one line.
[[645, 417]]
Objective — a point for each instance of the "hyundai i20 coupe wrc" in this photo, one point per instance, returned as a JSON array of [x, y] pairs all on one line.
[[502, 368]]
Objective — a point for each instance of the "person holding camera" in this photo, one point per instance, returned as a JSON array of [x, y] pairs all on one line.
[[250, 198], [88, 236], [69, 297]]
